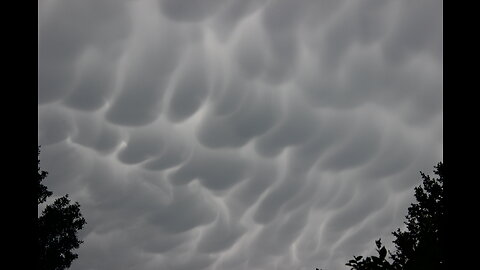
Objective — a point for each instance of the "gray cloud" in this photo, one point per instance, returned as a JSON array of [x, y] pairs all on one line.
[[73, 165], [96, 82], [238, 134], [65, 32], [191, 89], [248, 192], [357, 209], [146, 80], [250, 53], [276, 239], [255, 116], [55, 125], [298, 125], [396, 155], [189, 10], [141, 146], [172, 155], [186, 211], [215, 170], [95, 134], [220, 236], [418, 29], [355, 151], [233, 14]]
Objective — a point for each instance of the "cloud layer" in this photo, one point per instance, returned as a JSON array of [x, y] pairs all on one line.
[[258, 134]]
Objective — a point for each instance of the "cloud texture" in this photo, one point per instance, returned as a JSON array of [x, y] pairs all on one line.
[[256, 134]]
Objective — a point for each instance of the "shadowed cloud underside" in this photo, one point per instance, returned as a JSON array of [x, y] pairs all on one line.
[[258, 134]]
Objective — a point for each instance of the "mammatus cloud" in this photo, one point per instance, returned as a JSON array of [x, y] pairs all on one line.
[[259, 134]]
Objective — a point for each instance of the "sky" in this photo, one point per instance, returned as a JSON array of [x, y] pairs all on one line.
[[238, 134]]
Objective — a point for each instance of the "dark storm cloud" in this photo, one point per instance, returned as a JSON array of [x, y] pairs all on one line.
[[191, 89], [186, 211], [396, 154], [280, 19], [174, 153], [229, 96], [55, 125], [248, 192], [275, 239], [238, 134], [95, 134], [141, 146], [189, 10], [356, 150], [197, 261], [65, 32], [73, 164], [362, 22], [146, 79], [286, 189], [342, 194], [250, 53], [256, 114], [215, 170], [220, 236], [95, 84], [298, 125], [234, 12], [418, 29], [357, 209], [331, 131]]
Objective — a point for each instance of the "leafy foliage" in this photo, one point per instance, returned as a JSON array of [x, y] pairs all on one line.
[[57, 229], [422, 244], [42, 192], [372, 262]]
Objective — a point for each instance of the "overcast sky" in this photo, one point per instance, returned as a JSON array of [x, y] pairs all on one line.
[[238, 134]]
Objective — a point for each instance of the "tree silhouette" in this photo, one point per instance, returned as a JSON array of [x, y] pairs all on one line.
[[372, 262], [422, 244], [57, 228]]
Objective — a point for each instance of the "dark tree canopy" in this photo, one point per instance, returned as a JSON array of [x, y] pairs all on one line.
[[372, 262], [57, 228], [422, 244], [42, 192]]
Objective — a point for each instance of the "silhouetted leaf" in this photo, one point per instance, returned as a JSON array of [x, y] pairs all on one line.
[[383, 253]]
